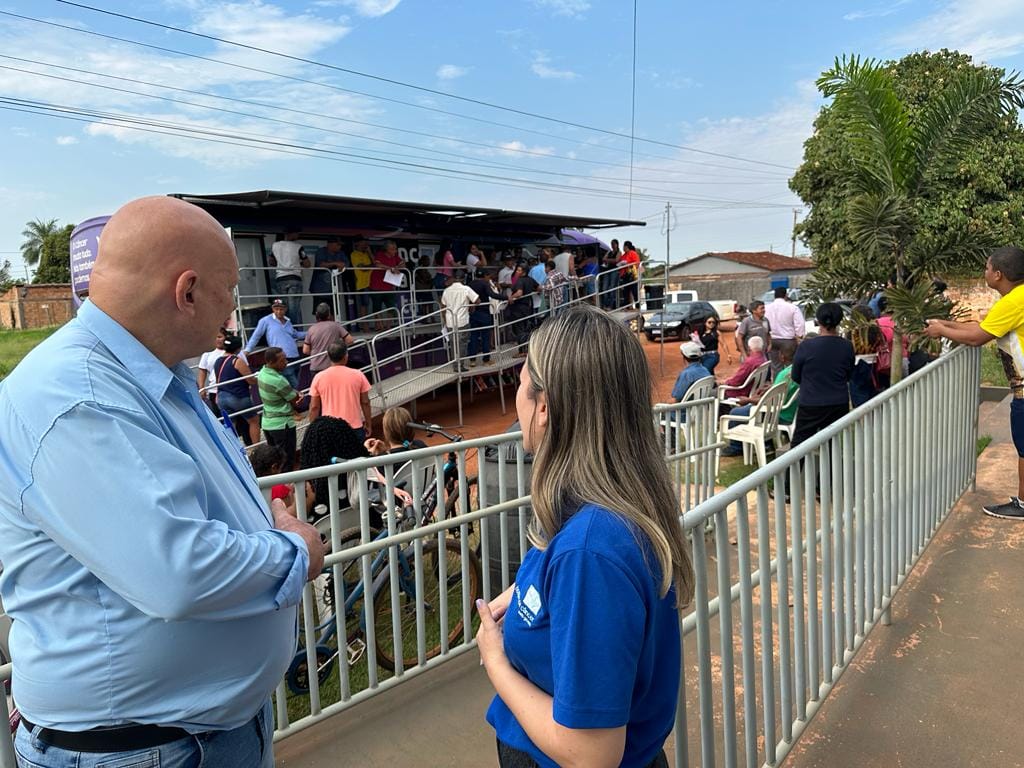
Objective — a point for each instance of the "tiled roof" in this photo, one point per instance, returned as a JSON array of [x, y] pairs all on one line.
[[773, 262]]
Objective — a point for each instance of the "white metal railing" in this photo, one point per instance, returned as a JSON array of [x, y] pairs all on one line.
[[474, 508], [820, 568]]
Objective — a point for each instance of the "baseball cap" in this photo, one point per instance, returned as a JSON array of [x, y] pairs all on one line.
[[278, 303], [691, 350]]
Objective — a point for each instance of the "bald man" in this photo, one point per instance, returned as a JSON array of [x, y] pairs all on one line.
[[153, 590]]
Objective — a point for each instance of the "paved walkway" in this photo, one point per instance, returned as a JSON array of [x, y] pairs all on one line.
[[942, 685], [435, 720]]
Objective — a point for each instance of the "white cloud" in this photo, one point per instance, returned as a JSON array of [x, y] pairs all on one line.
[[564, 7], [372, 8], [252, 22], [985, 29], [450, 72], [876, 12], [264, 25], [516, 148], [66, 141], [542, 69]]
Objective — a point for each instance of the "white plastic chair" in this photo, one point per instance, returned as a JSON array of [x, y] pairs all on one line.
[[760, 426], [699, 390], [757, 380], [785, 431]]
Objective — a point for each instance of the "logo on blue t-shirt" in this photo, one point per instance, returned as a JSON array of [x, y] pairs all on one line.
[[529, 605]]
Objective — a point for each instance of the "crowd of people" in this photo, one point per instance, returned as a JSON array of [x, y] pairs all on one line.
[[367, 281]]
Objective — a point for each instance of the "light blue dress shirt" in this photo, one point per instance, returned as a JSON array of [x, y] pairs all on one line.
[[141, 568], [277, 334]]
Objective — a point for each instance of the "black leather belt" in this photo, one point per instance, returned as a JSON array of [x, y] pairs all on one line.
[[120, 739]]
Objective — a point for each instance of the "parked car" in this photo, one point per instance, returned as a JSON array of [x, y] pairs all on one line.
[[808, 309], [769, 296], [727, 309], [678, 319]]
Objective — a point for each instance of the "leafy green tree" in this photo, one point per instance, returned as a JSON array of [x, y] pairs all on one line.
[[5, 277], [54, 260], [35, 234], [981, 195], [893, 157]]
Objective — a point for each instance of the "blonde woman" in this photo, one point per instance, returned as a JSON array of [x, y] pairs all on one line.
[[583, 650]]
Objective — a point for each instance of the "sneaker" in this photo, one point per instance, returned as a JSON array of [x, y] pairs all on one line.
[[472, 363], [1012, 510]]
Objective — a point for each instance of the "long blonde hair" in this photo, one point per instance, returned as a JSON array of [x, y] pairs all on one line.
[[600, 445]]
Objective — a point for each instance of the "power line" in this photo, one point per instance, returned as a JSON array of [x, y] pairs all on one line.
[[330, 86], [632, 116], [460, 156], [255, 141], [401, 83]]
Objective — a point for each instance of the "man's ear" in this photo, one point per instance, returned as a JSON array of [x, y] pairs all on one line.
[[184, 291]]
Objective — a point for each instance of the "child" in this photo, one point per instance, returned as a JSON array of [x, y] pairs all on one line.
[[266, 459]]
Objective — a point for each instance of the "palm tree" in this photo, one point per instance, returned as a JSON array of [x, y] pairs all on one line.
[[894, 159], [35, 234]]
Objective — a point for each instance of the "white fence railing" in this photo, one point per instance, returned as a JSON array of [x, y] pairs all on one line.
[[812, 574]]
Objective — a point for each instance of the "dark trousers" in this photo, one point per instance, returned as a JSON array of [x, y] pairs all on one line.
[[510, 757], [285, 440], [480, 335]]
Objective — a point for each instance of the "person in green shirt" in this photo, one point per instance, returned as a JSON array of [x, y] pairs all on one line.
[[786, 415], [279, 401]]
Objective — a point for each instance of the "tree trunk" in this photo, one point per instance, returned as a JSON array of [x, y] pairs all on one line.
[[896, 371]]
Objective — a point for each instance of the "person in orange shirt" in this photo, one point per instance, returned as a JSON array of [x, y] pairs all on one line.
[[629, 275], [341, 392]]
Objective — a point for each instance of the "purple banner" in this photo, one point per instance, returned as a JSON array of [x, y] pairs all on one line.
[[85, 244]]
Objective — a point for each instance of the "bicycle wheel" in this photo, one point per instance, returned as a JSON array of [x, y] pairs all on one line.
[[323, 587], [455, 505], [435, 593]]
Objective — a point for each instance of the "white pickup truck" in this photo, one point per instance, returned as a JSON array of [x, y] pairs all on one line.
[[727, 309]]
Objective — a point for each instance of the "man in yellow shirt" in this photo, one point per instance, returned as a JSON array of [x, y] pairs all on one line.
[[1004, 272], [360, 257]]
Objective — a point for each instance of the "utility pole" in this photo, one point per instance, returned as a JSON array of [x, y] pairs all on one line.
[[669, 224], [795, 212]]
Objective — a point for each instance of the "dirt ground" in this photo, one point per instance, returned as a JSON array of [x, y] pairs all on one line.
[[484, 417]]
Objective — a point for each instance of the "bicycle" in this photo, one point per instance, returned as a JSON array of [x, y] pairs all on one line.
[[436, 569]]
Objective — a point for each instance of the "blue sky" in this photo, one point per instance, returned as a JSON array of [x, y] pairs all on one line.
[[734, 79]]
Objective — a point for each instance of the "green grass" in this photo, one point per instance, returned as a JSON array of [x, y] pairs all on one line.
[[992, 373], [732, 470], [14, 345], [983, 443]]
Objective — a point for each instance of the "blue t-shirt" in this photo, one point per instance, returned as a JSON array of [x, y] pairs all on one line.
[[587, 626]]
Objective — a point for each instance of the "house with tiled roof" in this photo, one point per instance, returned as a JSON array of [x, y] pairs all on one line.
[[743, 264]]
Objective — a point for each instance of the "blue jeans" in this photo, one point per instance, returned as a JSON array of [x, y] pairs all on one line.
[[480, 335], [735, 446], [710, 361], [250, 746], [291, 372], [610, 285], [290, 289]]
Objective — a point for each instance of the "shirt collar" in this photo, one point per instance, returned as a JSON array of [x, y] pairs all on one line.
[[152, 375]]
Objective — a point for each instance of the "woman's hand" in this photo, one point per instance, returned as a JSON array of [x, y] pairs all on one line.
[[490, 639], [499, 605], [375, 447]]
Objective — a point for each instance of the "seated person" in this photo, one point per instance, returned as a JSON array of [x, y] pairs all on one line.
[[326, 439], [735, 383], [693, 371], [398, 435], [786, 416]]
